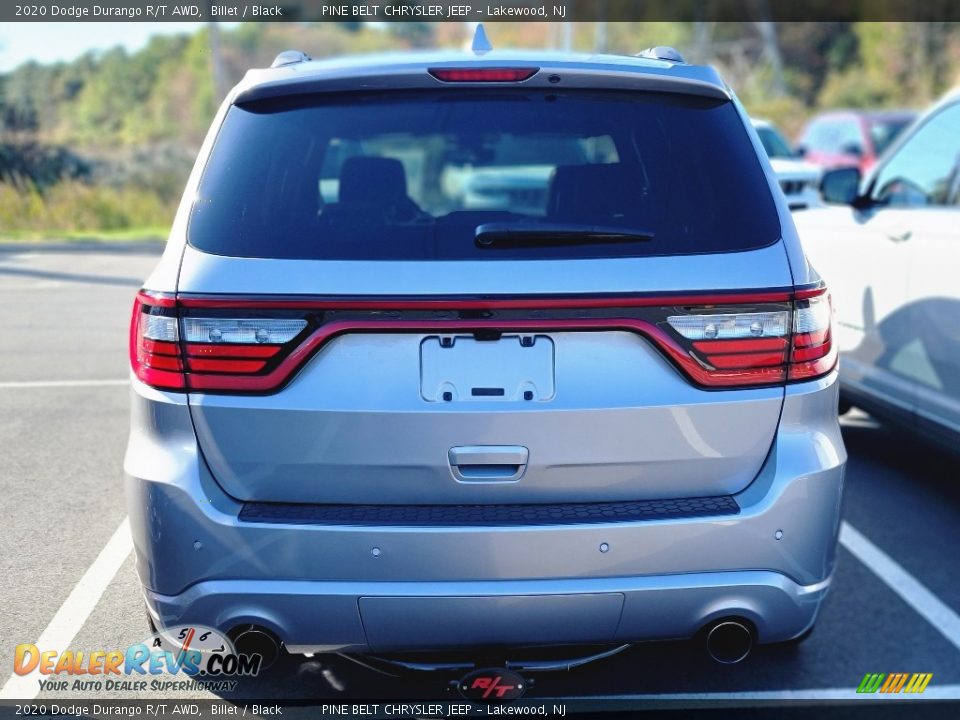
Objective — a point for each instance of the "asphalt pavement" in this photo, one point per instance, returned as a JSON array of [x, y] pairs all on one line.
[[67, 572]]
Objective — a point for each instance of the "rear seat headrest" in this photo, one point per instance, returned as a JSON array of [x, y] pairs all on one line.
[[372, 180]]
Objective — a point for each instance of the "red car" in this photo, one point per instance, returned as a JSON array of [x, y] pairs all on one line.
[[851, 138]]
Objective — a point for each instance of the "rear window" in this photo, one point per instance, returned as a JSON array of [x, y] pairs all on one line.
[[412, 176]]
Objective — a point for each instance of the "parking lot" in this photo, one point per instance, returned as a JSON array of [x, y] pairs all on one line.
[[68, 569]]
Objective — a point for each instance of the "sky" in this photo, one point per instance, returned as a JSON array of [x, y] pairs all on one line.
[[49, 42]]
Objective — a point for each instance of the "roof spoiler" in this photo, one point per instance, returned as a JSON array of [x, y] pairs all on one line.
[[704, 82]]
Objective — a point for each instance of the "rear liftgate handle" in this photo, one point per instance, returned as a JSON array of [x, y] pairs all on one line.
[[488, 463]]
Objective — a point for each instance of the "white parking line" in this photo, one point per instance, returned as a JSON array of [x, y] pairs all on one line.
[[12, 384], [72, 615], [928, 605]]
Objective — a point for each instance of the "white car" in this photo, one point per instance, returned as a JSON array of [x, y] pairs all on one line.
[[798, 179], [889, 247]]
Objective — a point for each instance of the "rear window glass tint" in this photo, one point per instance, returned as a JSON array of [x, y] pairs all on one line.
[[412, 175]]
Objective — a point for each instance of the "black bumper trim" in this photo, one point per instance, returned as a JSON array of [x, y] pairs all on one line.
[[515, 515]]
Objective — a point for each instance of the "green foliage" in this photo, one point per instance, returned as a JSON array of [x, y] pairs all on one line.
[[71, 205], [895, 65]]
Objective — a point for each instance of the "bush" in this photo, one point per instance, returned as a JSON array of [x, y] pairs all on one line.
[[72, 206]]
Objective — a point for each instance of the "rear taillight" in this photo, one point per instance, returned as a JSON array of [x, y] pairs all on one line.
[[760, 346], [812, 352], [155, 342], [257, 345], [173, 350]]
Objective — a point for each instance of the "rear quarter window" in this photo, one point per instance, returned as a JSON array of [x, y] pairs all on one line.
[[412, 175]]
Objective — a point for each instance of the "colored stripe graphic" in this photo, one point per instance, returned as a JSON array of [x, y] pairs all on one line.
[[893, 683], [918, 683], [871, 682]]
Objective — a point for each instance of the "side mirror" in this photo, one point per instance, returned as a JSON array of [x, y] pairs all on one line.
[[854, 149], [840, 186]]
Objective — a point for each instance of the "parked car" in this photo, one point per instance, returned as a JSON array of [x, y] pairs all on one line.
[[367, 419], [889, 249], [851, 138], [798, 179]]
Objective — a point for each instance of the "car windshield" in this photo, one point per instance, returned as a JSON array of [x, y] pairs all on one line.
[[773, 143], [884, 132], [413, 175], [833, 135]]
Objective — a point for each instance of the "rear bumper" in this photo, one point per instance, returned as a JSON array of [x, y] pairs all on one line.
[[316, 616], [324, 587]]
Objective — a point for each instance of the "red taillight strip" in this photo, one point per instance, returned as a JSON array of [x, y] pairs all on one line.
[[228, 351], [280, 374], [160, 347], [810, 353], [732, 298], [814, 368], [723, 363], [810, 338], [225, 366], [161, 362], [808, 292], [740, 346], [157, 299], [746, 360]]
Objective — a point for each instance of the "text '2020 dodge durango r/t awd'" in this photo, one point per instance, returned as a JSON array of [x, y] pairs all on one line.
[[380, 406]]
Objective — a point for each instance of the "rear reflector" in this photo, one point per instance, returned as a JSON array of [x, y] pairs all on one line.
[[483, 74], [257, 345]]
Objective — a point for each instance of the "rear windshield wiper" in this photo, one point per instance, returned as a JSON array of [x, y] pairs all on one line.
[[501, 235]]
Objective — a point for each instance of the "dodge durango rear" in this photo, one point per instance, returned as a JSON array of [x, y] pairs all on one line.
[[468, 355]]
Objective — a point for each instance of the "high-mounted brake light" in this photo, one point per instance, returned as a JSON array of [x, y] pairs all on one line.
[[256, 345], [483, 74]]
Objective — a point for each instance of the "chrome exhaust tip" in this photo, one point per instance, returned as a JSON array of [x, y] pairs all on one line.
[[729, 641], [252, 640]]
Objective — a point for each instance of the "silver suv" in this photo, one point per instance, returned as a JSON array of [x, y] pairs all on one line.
[[448, 352]]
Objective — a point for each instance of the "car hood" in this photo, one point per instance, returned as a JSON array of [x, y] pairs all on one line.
[[787, 169]]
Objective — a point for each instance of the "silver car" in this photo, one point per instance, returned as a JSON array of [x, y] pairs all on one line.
[[371, 418]]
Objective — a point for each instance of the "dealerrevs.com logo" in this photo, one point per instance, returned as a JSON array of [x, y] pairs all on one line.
[[201, 656]]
